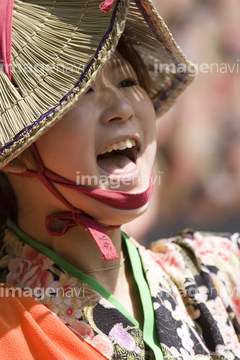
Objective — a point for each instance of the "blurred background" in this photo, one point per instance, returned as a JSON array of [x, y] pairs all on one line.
[[199, 138]]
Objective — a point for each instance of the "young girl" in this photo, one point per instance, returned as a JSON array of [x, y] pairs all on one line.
[[73, 285]]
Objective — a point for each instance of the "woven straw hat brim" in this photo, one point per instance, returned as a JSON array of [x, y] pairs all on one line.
[[59, 48]]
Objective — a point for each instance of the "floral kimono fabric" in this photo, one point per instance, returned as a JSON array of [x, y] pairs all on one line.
[[41, 334], [189, 279]]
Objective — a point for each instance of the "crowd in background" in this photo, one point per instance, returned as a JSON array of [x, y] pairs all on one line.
[[199, 138]]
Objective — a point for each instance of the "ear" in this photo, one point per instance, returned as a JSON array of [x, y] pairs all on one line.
[[16, 166], [23, 162]]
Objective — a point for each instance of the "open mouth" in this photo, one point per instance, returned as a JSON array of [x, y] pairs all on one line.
[[119, 158]]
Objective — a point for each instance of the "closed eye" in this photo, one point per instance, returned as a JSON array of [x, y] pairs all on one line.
[[128, 82]]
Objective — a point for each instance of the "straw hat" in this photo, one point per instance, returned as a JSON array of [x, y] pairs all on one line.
[[58, 49]]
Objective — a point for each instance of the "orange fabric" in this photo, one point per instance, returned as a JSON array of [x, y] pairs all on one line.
[[28, 330]]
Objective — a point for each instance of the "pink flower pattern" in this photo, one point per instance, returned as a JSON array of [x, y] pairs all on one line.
[[29, 270]]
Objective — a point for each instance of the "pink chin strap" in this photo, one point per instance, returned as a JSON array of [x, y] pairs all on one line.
[[115, 199], [6, 15], [106, 6]]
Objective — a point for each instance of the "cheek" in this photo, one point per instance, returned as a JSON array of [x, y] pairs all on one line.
[[147, 117], [150, 154], [65, 146], [148, 124]]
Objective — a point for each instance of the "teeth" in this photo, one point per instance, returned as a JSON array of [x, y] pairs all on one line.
[[120, 145], [109, 149], [128, 143]]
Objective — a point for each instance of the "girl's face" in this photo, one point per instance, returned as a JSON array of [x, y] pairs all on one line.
[[107, 140]]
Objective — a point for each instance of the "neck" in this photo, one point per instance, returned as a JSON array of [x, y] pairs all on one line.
[[76, 246], [80, 250]]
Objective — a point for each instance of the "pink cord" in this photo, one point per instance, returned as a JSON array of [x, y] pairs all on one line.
[[6, 15]]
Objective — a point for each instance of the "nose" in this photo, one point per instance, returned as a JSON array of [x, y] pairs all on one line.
[[115, 105]]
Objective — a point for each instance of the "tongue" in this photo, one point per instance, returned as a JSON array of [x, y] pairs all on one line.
[[117, 165]]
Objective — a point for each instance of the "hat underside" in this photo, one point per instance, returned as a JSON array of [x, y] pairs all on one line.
[[57, 53]]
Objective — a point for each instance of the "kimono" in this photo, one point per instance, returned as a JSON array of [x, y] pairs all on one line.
[[189, 287]]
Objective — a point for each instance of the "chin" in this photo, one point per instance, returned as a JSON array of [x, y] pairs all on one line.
[[121, 217]]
